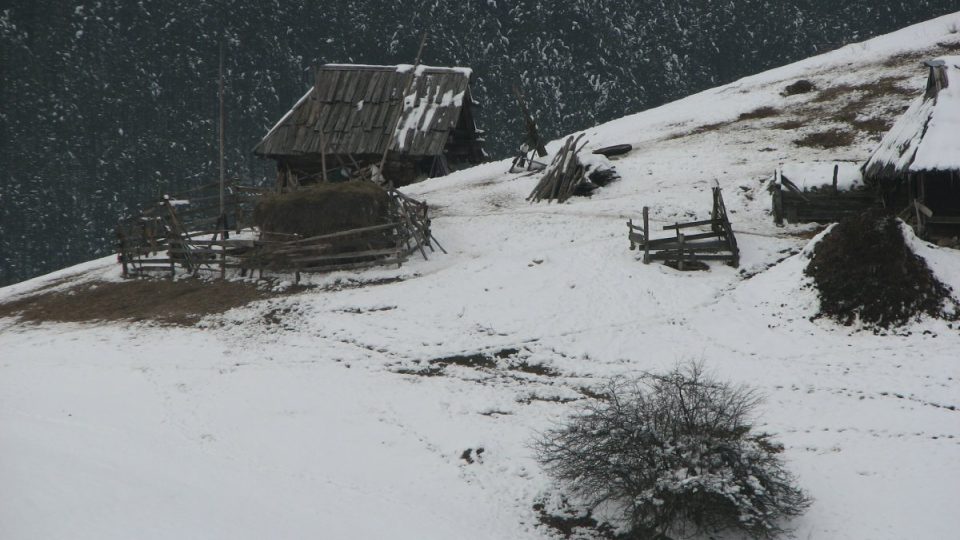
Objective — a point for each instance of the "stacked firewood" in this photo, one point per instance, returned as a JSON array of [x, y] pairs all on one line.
[[564, 175]]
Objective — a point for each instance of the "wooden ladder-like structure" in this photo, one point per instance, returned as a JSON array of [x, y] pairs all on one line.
[[686, 250]]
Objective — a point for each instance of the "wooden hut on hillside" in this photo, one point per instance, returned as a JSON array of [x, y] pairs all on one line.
[[353, 113], [917, 165]]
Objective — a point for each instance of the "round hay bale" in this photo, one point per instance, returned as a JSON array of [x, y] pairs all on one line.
[[864, 270], [323, 209]]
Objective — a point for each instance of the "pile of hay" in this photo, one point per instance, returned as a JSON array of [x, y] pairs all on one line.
[[864, 270], [323, 209]]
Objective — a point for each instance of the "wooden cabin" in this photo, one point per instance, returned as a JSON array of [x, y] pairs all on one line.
[[353, 113], [917, 165]]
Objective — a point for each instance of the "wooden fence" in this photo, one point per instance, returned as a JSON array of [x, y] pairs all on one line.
[[826, 205], [178, 231], [689, 250]]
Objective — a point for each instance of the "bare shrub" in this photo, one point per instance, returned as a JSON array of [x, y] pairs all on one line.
[[675, 454], [800, 87]]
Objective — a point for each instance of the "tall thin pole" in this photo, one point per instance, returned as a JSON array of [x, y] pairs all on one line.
[[396, 124], [222, 207], [318, 127]]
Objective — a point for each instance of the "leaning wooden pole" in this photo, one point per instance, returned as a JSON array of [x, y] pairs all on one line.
[[318, 128], [403, 97]]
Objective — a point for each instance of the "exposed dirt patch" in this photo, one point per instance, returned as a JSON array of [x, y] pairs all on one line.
[[864, 270], [182, 302], [832, 138]]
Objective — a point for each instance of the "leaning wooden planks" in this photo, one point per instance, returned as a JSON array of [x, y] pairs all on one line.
[[564, 174]]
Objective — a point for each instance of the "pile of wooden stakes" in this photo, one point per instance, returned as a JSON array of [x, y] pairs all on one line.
[[564, 174]]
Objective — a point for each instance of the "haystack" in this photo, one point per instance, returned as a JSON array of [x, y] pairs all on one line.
[[864, 270], [323, 209]]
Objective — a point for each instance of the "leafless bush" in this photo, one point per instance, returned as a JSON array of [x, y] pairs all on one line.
[[676, 454], [800, 87]]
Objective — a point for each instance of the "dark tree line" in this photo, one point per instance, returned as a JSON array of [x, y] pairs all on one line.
[[104, 104]]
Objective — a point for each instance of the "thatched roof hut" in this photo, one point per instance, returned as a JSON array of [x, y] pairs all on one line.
[[350, 114], [918, 161]]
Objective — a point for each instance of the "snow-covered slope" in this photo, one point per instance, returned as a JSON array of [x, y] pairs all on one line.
[[321, 415]]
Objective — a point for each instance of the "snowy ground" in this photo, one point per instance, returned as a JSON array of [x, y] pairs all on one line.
[[313, 415]]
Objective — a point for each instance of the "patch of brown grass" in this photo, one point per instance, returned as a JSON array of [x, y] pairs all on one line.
[[903, 59], [832, 93], [182, 302], [790, 124], [949, 46], [833, 138], [882, 87], [761, 112], [847, 114], [706, 128], [872, 125]]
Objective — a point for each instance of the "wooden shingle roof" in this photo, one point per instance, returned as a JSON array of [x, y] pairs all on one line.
[[355, 107]]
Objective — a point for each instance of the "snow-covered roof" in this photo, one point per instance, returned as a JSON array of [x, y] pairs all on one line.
[[352, 109], [926, 137], [814, 175]]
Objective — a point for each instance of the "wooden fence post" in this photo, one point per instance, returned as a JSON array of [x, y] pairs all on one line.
[[223, 259], [646, 235], [680, 251], [777, 199], [123, 251]]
